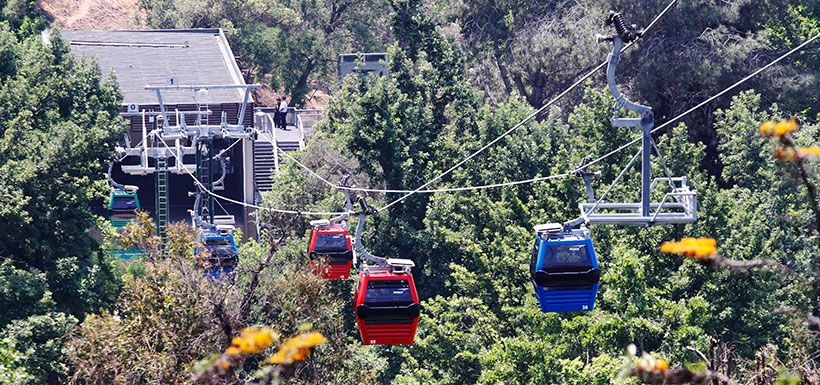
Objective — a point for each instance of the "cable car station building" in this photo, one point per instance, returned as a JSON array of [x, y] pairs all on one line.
[[152, 68]]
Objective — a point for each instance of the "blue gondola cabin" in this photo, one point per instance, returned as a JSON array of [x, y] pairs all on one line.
[[564, 269], [221, 257], [123, 205]]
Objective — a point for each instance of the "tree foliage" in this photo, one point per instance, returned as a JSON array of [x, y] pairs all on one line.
[[461, 74], [292, 45], [58, 127]]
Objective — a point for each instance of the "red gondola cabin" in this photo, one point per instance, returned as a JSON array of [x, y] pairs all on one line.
[[330, 251], [387, 306]]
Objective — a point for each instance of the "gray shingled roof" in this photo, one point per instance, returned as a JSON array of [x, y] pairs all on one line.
[[152, 57]]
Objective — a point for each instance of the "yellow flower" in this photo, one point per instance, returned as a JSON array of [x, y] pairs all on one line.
[[691, 247], [262, 339], [809, 152], [251, 340], [662, 365], [767, 128], [279, 358], [790, 154], [224, 364], [297, 348], [233, 351], [778, 129], [785, 127], [648, 363], [312, 339]]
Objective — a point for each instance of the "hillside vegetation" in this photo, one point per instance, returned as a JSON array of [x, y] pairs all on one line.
[[461, 74]]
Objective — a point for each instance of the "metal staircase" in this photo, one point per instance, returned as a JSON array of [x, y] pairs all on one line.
[[264, 161], [287, 146], [263, 165]]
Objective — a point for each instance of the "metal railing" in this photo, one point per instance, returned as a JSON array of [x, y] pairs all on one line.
[[682, 209]]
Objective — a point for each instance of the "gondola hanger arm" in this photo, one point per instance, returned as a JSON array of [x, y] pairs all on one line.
[[358, 246]]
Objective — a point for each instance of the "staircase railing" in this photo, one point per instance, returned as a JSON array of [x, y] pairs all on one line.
[[301, 129]]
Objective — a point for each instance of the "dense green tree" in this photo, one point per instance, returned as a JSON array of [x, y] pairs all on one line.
[[58, 126], [59, 123], [531, 48], [11, 371], [292, 45], [41, 340]]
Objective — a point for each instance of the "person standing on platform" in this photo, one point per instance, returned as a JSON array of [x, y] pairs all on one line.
[[283, 112], [276, 117]]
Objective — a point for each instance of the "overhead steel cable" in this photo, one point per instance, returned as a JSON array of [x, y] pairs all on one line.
[[432, 191], [426, 191], [234, 201], [556, 176], [226, 149], [422, 190], [525, 120]]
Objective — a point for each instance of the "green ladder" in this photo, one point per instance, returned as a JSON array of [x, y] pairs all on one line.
[[162, 199], [203, 170]]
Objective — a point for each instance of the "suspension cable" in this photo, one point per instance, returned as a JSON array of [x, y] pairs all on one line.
[[713, 97], [526, 181], [234, 201], [226, 149], [431, 191], [525, 120]]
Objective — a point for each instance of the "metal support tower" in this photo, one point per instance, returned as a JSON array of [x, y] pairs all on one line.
[[679, 204], [646, 122], [396, 265]]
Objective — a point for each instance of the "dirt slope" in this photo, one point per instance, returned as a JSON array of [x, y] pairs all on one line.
[[123, 14], [93, 14]]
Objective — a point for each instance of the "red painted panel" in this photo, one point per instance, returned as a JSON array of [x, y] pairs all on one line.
[[382, 331]]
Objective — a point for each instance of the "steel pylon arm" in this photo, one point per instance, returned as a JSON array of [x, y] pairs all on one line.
[[679, 205]]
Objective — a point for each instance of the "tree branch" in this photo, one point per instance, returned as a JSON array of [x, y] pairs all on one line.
[[700, 354], [804, 177], [716, 261], [250, 291]]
